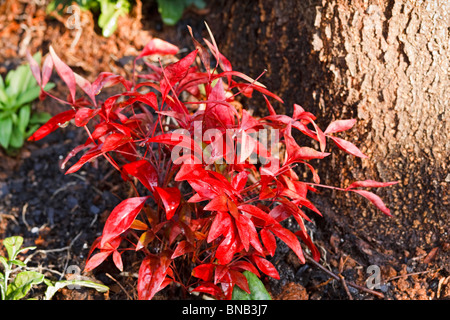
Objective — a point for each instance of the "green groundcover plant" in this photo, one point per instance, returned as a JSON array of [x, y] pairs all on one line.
[[213, 184], [18, 286], [17, 121]]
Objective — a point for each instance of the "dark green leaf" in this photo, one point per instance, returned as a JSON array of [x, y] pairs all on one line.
[[257, 289]]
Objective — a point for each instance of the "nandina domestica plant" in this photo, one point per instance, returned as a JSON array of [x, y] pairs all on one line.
[[214, 183]]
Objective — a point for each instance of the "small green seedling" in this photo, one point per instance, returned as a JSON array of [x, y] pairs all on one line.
[[257, 289], [22, 283], [171, 11], [17, 92]]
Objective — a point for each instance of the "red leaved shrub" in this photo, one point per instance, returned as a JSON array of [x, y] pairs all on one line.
[[217, 181]]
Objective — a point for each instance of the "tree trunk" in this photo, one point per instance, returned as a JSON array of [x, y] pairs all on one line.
[[383, 62]]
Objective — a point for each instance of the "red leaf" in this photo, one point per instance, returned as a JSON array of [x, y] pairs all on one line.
[[290, 239], [217, 204], [204, 271], [240, 280], [122, 217], [108, 79], [86, 86], [209, 288], [221, 112], [295, 153], [83, 115], [257, 212], [266, 267], [51, 125], [171, 198], [152, 276], [181, 141], [96, 260], [376, 200], [245, 265], [240, 180], [64, 72], [371, 184], [227, 248], [143, 171], [158, 46], [222, 222], [34, 66], [340, 125], [348, 147], [182, 248], [175, 72], [117, 259], [47, 69], [88, 156], [114, 141], [269, 241]]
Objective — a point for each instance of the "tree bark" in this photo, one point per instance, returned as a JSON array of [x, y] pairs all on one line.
[[383, 62]]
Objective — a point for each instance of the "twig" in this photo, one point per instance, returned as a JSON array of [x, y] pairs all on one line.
[[331, 274], [344, 284], [410, 274], [121, 287], [24, 211]]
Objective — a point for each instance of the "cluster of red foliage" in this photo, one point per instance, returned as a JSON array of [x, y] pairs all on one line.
[[221, 217]]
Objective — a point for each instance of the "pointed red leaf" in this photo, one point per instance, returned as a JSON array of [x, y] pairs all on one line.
[[83, 115], [114, 141], [222, 222], [86, 86], [290, 239], [269, 241], [240, 180], [152, 276], [181, 141], [376, 200], [182, 248], [266, 267], [144, 171], [340, 125], [122, 217], [117, 259], [88, 156], [171, 198], [257, 212], [240, 280], [245, 265], [34, 66], [227, 248], [96, 260], [158, 46], [64, 72], [217, 204], [47, 69], [348, 147], [371, 184], [51, 125], [204, 271], [175, 72]]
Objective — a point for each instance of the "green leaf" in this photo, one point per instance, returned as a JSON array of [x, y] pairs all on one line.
[[17, 138], [18, 263], [53, 288], [12, 245], [6, 127], [24, 117], [257, 289], [4, 262], [22, 284], [40, 117], [171, 10]]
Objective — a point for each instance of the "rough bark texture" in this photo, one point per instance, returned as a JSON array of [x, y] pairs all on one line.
[[383, 62]]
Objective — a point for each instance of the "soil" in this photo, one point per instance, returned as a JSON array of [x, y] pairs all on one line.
[[63, 214]]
